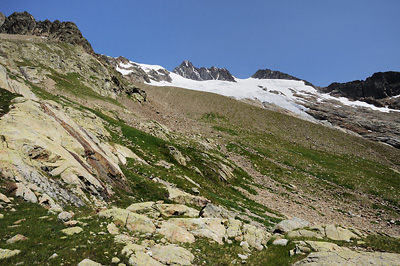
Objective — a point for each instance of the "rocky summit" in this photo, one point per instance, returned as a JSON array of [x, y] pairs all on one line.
[[187, 70], [101, 165], [271, 74]]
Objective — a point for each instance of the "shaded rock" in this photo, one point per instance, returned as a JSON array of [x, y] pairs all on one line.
[[172, 255], [175, 233], [350, 258], [49, 203], [72, 230], [177, 155], [290, 225], [271, 74], [142, 259], [88, 262], [7, 253], [132, 221], [16, 238]]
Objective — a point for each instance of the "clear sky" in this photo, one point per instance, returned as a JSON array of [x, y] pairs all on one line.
[[321, 41]]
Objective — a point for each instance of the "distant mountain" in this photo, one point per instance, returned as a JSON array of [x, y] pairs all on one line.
[[24, 23], [187, 70], [379, 89], [271, 74]]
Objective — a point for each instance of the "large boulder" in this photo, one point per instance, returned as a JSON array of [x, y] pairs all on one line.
[[132, 221], [175, 233], [172, 255], [290, 225]]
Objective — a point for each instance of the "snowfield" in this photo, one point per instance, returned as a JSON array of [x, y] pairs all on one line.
[[287, 94]]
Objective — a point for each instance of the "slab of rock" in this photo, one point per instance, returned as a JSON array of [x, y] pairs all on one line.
[[25, 193], [182, 197], [4, 198], [280, 242], [141, 207], [290, 225], [177, 210], [72, 230], [350, 258], [204, 227], [323, 246], [132, 221], [339, 233], [7, 253], [16, 238], [175, 233], [234, 228], [132, 248], [172, 255], [142, 259], [305, 233], [88, 262]]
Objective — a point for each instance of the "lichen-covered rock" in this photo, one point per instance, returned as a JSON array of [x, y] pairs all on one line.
[[182, 197], [175, 233], [72, 230], [132, 221], [172, 255], [214, 211], [7, 253]]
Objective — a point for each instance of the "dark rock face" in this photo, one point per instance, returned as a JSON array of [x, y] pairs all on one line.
[[23, 23], [377, 89], [271, 74], [187, 70]]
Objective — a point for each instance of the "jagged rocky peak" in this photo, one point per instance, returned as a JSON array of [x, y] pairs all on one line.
[[380, 89], [25, 24], [272, 74], [187, 70]]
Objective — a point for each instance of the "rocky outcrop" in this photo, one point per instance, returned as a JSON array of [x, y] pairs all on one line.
[[23, 23], [187, 70], [271, 74], [377, 89]]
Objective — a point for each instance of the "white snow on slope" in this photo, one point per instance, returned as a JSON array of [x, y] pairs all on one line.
[[283, 93]]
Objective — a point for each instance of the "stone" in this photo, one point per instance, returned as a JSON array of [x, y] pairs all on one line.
[[203, 227], [175, 233], [4, 198], [132, 248], [213, 211], [350, 258], [172, 255], [245, 246], [115, 260], [142, 259], [234, 228], [290, 225], [72, 230], [177, 155], [280, 242], [7, 253], [338, 233], [182, 197], [16, 238], [141, 207], [323, 246], [1, 216], [257, 237], [47, 202], [25, 193], [305, 233], [243, 257], [176, 210], [112, 229], [64, 216], [88, 262], [132, 221], [55, 255]]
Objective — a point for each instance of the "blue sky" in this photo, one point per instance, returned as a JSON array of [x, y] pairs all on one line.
[[321, 41]]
